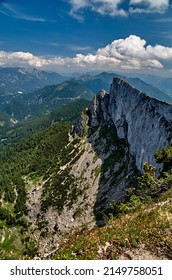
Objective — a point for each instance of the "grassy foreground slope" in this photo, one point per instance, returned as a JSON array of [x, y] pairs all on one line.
[[141, 234], [138, 228]]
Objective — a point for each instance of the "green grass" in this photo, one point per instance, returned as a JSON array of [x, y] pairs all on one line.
[[11, 246], [149, 225]]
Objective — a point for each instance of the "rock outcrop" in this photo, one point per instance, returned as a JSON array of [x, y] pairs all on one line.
[[105, 154], [144, 123]]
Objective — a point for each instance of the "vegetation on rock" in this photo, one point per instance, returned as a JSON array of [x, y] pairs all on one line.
[[43, 154]]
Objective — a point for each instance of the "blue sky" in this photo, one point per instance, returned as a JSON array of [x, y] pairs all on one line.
[[85, 35]]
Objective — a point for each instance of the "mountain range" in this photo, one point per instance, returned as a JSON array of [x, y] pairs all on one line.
[[23, 80], [95, 171], [23, 96], [103, 80]]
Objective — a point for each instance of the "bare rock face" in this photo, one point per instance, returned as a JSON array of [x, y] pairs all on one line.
[[144, 123], [125, 128], [107, 148]]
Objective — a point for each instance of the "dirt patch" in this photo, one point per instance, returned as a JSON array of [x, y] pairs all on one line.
[[141, 253]]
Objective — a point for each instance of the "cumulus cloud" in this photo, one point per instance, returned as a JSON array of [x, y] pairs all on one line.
[[21, 58], [148, 6], [26, 59], [78, 4], [104, 7], [131, 53], [114, 7]]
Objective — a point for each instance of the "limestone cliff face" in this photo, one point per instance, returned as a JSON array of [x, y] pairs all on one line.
[[146, 123], [143, 122], [106, 150]]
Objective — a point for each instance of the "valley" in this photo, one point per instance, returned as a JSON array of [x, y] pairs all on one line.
[[86, 167]]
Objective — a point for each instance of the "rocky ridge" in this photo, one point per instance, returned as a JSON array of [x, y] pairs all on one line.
[[107, 148], [144, 123]]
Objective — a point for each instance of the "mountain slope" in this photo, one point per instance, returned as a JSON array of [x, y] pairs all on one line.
[[64, 178], [67, 90], [166, 85], [143, 234], [15, 83], [145, 123], [21, 130], [23, 80], [6, 120], [101, 164], [44, 100], [103, 80], [19, 99], [162, 83]]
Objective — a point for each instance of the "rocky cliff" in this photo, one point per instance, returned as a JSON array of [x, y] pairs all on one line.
[[144, 123], [103, 156]]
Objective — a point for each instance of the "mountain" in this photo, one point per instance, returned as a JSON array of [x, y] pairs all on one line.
[[64, 182], [6, 120], [103, 80], [122, 107], [165, 85], [16, 81], [16, 109], [162, 83], [20, 99], [53, 97], [142, 233], [148, 89], [45, 100], [11, 130], [96, 82], [125, 129], [65, 91]]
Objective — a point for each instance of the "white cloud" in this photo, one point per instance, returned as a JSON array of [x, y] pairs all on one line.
[[160, 52], [21, 58], [149, 6], [110, 7], [104, 7], [132, 46], [79, 4], [114, 8], [130, 53]]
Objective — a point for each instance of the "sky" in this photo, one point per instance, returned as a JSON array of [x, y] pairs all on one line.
[[87, 35]]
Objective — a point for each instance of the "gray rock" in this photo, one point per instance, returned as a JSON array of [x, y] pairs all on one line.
[[144, 122]]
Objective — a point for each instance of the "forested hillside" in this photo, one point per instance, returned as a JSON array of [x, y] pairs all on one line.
[[33, 149], [69, 176]]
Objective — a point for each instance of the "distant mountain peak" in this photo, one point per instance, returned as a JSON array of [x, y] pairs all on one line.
[[14, 79]]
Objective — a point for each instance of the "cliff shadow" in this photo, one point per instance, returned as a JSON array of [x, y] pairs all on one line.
[[116, 173]]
